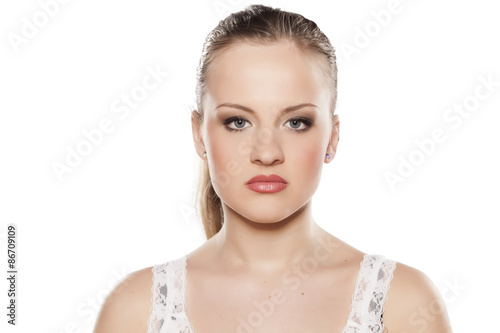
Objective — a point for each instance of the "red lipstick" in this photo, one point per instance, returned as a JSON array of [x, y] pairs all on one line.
[[267, 184]]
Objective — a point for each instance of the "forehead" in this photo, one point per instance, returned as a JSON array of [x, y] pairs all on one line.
[[270, 74]]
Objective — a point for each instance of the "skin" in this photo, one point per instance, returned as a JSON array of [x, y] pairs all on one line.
[[267, 238]]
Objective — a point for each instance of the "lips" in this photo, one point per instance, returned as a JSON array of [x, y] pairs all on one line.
[[267, 184], [265, 179]]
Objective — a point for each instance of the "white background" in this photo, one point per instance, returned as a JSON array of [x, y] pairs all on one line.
[[129, 203]]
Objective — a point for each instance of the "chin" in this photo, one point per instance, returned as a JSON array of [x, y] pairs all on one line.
[[263, 218], [266, 213]]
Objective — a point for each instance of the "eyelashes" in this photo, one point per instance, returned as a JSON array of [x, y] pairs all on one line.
[[295, 120]]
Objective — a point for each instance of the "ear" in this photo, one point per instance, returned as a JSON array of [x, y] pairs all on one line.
[[196, 122], [334, 139]]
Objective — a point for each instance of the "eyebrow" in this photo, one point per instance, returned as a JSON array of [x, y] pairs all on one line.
[[285, 110]]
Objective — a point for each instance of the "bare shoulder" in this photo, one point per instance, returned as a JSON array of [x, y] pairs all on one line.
[[414, 304], [128, 306]]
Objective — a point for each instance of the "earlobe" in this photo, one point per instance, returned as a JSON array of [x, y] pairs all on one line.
[[334, 139], [329, 156]]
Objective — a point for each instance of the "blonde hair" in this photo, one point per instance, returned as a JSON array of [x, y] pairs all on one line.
[[264, 25]]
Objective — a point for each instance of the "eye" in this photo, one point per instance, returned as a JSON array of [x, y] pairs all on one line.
[[239, 121], [297, 122]]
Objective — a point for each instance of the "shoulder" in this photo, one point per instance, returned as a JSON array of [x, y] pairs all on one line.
[[414, 304], [127, 307]]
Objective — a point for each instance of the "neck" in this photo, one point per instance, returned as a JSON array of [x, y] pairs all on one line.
[[256, 246]]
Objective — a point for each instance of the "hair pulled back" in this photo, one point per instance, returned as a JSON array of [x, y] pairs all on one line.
[[262, 25]]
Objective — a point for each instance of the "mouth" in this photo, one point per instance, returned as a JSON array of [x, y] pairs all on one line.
[[267, 184]]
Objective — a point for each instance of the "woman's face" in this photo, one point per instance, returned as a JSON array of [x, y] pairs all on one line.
[[266, 79]]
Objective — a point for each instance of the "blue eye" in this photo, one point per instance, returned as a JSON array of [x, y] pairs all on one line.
[[296, 122], [238, 120], [300, 121]]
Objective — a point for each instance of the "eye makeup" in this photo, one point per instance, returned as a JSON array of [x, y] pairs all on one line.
[[301, 120]]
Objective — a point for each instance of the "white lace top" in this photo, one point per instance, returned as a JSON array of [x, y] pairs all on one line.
[[168, 310]]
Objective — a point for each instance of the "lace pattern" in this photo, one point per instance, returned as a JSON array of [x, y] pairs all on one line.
[[168, 304], [370, 294]]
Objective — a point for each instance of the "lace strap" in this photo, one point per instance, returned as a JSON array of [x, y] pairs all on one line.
[[168, 304], [159, 298], [370, 294]]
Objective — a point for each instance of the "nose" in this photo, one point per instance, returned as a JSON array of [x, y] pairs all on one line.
[[266, 148]]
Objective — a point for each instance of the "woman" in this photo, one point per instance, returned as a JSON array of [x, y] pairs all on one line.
[[264, 127]]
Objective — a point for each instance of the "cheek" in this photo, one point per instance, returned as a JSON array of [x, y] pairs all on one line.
[[225, 156], [307, 157], [308, 150], [309, 168]]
